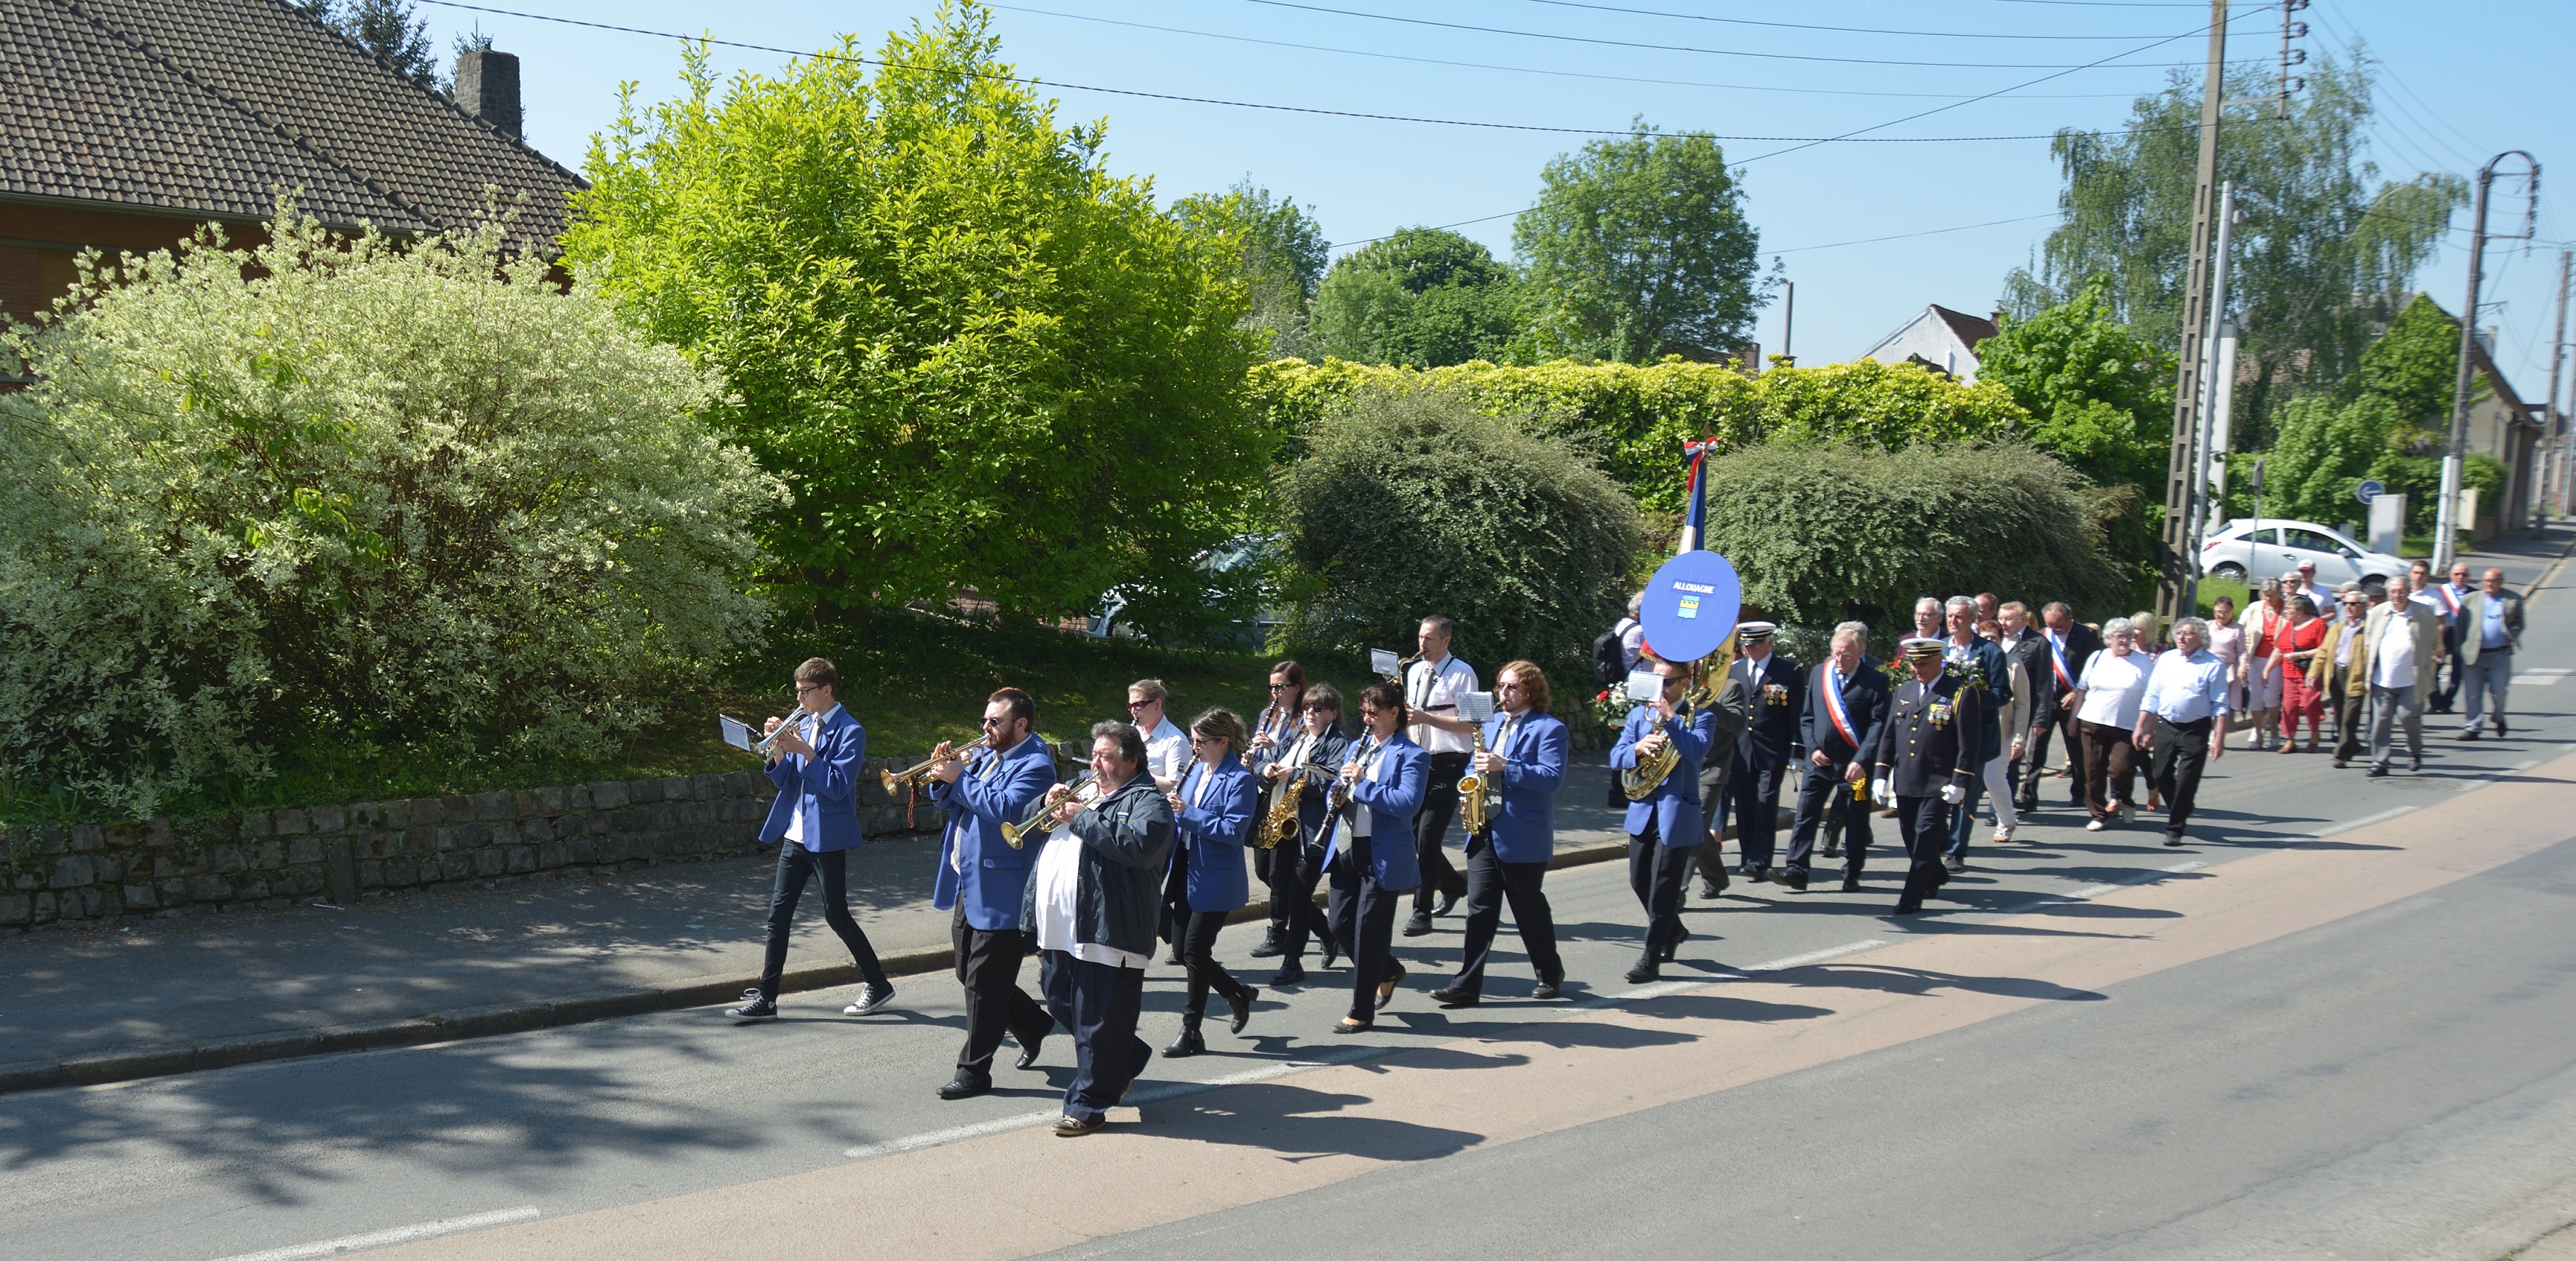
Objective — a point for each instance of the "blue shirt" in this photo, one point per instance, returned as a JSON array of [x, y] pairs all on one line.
[[2492, 627], [2186, 689]]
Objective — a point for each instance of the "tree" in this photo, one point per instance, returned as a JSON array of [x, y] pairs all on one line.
[[977, 357], [2324, 251], [1820, 534], [1410, 501], [390, 29], [1423, 298], [2387, 424], [1638, 248], [331, 495], [1283, 252], [2102, 396]]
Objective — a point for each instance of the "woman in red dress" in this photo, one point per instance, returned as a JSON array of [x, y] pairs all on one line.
[[2299, 697]]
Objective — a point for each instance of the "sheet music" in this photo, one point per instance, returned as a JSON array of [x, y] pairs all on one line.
[[1645, 686], [1383, 662], [1475, 706], [736, 732]]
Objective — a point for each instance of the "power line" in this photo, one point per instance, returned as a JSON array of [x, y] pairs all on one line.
[[1682, 48], [1841, 30], [1563, 74], [1907, 236]]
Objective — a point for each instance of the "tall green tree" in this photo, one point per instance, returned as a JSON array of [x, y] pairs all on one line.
[[2386, 425], [2102, 396], [391, 29], [2323, 254], [1638, 248], [1421, 298], [976, 357], [1283, 253]]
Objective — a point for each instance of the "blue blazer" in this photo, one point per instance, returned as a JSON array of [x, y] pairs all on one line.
[[823, 789], [1533, 769], [1212, 834], [1864, 694], [1674, 806], [1392, 799], [996, 874]]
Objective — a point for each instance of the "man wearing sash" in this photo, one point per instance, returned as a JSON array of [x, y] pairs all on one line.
[[1846, 701], [2052, 712]]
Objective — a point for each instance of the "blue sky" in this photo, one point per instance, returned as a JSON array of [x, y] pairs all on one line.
[[2458, 83]]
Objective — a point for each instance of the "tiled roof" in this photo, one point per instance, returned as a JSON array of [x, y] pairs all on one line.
[[211, 106], [1969, 329]]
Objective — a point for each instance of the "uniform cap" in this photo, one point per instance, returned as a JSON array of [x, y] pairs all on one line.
[[1919, 647], [1755, 632]]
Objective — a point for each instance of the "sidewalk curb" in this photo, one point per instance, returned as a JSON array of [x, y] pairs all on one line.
[[521, 1017]]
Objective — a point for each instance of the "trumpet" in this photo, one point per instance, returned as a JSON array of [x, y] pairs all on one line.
[[767, 746], [1084, 788], [894, 781]]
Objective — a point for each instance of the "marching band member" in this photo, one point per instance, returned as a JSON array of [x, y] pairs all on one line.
[[1525, 753], [1777, 690], [1273, 729], [1091, 909], [1432, 687], [985, 879], [1846, 702], [1299, 861], [1668, 824], [814, 821], [1371, 858], [1923, 759], [1215, 807]]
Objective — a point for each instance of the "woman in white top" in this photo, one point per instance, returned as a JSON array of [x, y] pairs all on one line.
[[2106, 710]]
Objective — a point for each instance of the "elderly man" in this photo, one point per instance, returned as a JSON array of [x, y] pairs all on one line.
[[2183, 721], [2403, 639], [2490, 626], [2069, 648], [2337, 669]]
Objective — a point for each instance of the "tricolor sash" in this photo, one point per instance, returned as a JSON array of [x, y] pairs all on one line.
[[1834, 705], [2450, 602], [2057, 658]]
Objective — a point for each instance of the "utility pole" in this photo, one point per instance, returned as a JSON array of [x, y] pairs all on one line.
[[2446, 521], [2175, 566], [2214, 383], [2552, 446], [1789, 322]]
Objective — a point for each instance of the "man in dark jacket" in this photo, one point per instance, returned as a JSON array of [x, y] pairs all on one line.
[[1776, 689], [1846, 700], [1092, 908], [2067, 646]]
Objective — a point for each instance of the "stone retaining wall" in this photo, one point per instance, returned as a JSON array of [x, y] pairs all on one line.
[[273, 859]]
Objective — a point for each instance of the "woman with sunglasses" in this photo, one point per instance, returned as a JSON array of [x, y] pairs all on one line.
[[1273, 729], [1297, 863], [1214, 812]]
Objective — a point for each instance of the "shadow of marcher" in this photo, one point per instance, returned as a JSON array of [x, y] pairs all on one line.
[[1301, 1124]]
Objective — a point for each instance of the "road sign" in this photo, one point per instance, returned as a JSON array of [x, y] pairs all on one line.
[[2368, 491], [1691, 606]]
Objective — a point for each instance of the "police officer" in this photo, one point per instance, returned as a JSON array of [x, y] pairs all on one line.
[[1776, 689], [1668, 824], [1846, 703], [1923, 759]]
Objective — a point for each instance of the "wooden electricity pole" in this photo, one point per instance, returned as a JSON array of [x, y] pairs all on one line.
[[2173, 564]]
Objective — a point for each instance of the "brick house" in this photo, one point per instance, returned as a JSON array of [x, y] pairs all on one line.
[[126, 123]]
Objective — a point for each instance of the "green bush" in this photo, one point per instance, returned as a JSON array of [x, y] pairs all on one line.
[[1821, 534], [1410, 503], [337, 493], [1422, 297]]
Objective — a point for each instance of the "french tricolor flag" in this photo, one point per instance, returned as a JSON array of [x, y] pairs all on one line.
[[1695, 522]]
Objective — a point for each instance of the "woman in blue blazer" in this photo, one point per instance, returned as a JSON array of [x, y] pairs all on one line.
[[1382, 786], [1213, 808]]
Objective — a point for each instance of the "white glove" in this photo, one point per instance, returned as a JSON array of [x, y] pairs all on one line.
[[1884, 791], [1953, 794]]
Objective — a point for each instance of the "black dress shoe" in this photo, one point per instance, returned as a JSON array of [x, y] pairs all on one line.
[[1794, 881], [1851, 884], [1419, 925], [1332, 954], [2500, 727], [1448, 901], [2415, 763], [1545, 991], [1906, 909], [1453, 996], [1029, 1053], [960, 1088], [1186, 1045], [753, 1010], [1242, 1008], [2378, 770], [1290, 973], [1386, 987], [1644, 971], [1269, 947]]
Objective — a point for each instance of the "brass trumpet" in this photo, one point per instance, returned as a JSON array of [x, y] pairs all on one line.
[[1084, 788], [895, 781]]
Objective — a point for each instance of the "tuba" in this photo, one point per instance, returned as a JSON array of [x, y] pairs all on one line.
[[895, 780], [1480, 802], [1640, 781]]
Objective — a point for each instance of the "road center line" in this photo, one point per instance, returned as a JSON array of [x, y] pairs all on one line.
[[2363, 822], [395, 1235]]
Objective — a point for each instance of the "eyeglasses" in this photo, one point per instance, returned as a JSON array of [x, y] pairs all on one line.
[[1281, 687], [803, 688], [1199, 741], [1138, 704], [995, 722], [1323, 709]]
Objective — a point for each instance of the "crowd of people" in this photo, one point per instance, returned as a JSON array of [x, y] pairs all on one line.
[[1160, 841]]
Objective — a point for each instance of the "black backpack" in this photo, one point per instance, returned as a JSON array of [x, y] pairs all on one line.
[[1610, 655]]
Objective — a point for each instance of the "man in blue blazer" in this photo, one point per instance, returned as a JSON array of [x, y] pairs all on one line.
[[1846, 700], [1213, 812], [984, 878], [814, 821], [1370, 856], [1525, 754], [1668, 824]]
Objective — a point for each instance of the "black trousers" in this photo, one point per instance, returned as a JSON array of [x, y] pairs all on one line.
[[1439, 802], [988, 965], [1265, 872], [2446, 685], [1753, 795], [2057, 723], [797, 865], [1198, 954], [1296, 869], [2182, 752], [1363, 917], [1825, 803], [2349, 707], [1490, 883], [1925, 824], [1656, 872], [1099, 1002], [1708, 857]]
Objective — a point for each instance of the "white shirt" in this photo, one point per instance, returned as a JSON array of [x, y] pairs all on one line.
[[2395, 664], [1059, 888], [2113, 686], [1360, 820], [811, 728], [1434, 689], [1167, 752]]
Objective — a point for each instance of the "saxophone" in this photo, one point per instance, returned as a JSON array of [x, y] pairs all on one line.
[[1479, 801], [1279, 823]]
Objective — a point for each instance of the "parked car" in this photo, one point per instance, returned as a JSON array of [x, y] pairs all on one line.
[[1226, 558], [2238, 553]]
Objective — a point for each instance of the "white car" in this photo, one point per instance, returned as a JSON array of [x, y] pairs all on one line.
[[2239, 553]]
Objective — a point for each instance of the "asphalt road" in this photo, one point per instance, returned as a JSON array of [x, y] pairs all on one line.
[[2396, 1082]]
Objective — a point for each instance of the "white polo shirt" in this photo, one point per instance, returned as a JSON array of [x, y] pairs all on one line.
[[1434, 689]]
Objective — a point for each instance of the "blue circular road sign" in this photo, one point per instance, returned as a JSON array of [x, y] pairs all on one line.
[[2368, 491], [1691, 606]]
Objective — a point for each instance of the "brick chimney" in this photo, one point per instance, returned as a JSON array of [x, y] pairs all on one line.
[[487, 86]]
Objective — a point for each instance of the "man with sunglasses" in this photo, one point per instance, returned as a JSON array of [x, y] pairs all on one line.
[[2337, 669], [984, 880]]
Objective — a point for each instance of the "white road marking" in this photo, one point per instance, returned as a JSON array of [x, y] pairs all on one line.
[[2538, 678], [2362, 822], [388, 1238], [953, 1134]]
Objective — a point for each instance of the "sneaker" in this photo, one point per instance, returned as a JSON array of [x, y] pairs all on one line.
[[754, 1008], [872, 997], [2094, 825], [2173, 839], [1955, 863], [1269, 947]]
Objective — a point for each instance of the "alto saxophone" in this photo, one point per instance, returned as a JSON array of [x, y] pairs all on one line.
[[1279, 824], [1479, 801]]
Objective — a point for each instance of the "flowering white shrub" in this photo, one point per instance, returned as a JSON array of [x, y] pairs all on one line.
[[354, 491]]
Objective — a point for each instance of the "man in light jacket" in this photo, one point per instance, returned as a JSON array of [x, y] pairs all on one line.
[[2403, 639], [2490, 626]]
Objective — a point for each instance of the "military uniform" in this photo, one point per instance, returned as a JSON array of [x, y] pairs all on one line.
[[1931, 740]]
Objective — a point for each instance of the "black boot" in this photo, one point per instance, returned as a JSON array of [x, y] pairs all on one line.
[[1186, 1045]]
